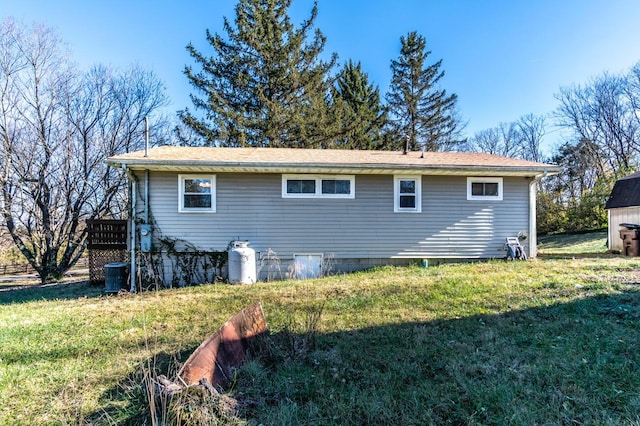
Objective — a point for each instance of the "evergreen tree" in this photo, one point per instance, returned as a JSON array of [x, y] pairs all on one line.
[[420, 113], [363, 115], [265, 84]]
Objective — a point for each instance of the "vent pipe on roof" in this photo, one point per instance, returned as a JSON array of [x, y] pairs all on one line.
[[406, 145]]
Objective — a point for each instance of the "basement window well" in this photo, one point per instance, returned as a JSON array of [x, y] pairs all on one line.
[[307, 265]]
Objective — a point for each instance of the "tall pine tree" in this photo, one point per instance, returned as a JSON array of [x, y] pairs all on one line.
[[264, 85], [419, 111], [363, 114]]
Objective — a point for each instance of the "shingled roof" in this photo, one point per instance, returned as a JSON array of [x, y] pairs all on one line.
[[291, 160], [625, 192]]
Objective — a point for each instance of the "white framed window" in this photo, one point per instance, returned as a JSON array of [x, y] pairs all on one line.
[[407, 194], [482, 188], [318, 186], [196, 193]]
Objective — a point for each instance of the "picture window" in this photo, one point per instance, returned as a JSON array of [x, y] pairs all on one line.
[[318, 186]]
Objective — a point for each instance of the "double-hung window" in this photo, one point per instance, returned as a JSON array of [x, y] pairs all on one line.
[[407, 192], [479, 188], [196, 193], [318, 186]]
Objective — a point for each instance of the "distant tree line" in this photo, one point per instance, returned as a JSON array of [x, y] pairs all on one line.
[[603, 121], [600, 121]]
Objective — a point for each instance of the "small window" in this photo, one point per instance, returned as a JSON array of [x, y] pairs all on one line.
[[312, 186], [484, 188], [407, 194], [197, 193]]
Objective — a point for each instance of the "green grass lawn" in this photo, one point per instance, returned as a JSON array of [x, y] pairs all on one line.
[[550, 341], [573, 244]]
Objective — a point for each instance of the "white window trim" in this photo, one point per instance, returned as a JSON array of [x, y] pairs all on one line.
[[472, 180], [182, 208], [396, 194], [319, 179]]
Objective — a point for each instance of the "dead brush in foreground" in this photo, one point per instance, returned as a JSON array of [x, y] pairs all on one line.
[[202, 404]]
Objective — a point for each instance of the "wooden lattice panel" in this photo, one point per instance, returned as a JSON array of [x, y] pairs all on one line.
[[107, 243], [98, 258], [106, 234]]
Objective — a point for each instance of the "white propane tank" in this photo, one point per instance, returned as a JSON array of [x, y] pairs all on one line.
[[242, 263]]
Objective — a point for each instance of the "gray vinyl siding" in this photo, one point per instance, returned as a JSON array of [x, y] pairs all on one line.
[[250, 207]]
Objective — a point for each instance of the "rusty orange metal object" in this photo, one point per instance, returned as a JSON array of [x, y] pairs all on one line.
[[224, 349]]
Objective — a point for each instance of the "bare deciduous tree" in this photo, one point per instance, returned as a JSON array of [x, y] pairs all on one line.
[[531, 129], [501, 140], [57, 126], [521, 139], [602, 118], [603, 112]]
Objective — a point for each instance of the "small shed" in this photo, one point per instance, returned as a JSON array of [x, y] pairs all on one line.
[[623, 206]]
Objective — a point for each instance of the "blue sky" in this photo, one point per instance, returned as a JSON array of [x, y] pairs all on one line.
[[504, 58]]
